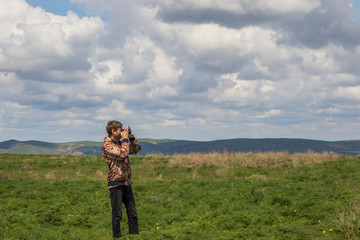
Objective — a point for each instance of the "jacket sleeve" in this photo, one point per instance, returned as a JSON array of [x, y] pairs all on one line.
[[135, 147]]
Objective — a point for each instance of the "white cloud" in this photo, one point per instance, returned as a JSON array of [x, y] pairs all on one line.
[[267, 86], [319, 61], [286, 7], [348, 93], [242, 93], [73, 122], [107, 73], [171, 123], [115, 109], [212, 38], [271, 113], [250, 68], [32, 39], [139, 70], [163, 71]]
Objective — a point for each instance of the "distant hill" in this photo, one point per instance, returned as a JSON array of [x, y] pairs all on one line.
[[165, 146], [37, 147]]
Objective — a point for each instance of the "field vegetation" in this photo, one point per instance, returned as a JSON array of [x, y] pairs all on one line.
[[272, 195]]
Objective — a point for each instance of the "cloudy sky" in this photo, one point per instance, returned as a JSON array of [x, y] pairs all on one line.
[[184, 69]]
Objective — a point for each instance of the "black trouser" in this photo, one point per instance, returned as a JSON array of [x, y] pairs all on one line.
[[119, 195]]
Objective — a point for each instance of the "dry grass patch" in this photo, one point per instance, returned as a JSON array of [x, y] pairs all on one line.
[[245, 159]]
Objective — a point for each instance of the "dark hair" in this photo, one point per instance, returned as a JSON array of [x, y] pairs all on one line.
[[112, 125]]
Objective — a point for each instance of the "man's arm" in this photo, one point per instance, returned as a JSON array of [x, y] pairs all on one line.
[[135, 146]]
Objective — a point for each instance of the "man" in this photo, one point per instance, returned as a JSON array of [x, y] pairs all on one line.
[[115, 150]]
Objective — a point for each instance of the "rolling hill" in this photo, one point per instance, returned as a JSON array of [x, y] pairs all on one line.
[[165, 146]]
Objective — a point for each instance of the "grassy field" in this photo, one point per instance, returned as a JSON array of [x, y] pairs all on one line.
[[193, 196]]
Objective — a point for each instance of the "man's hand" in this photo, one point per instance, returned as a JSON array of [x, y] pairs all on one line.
[[125, 133]]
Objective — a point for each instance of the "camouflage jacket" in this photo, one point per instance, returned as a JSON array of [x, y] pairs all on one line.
[[117, 157]]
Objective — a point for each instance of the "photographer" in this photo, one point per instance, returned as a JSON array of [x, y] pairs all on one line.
[[115, 150]]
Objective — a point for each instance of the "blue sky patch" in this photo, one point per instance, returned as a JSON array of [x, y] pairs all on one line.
[[60, 7]]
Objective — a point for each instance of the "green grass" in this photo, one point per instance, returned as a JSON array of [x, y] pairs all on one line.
[[66, 197]]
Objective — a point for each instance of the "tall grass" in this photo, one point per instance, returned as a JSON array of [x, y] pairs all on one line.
[[348, 221], [248, 159]]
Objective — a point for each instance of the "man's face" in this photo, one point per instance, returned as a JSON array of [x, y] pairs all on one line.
[[117, 133]]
